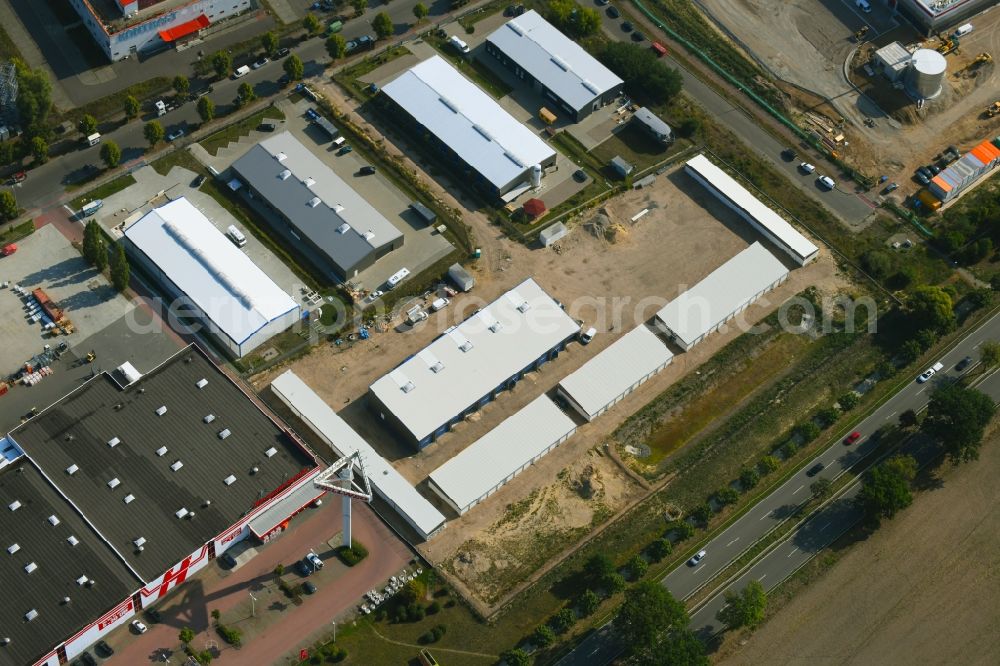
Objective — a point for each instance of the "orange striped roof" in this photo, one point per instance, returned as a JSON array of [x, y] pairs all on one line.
[[941, 183]]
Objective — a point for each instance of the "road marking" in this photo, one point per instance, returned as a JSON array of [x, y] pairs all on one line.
[[799, 488], [732, 542], [765, 515], [824, 527], [794, 550], [698, 570], [977, 345], [890, 416], [921, 390], [762, 577]]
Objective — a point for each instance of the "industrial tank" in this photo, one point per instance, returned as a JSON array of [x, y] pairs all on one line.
[[536, 175], [926, 74]]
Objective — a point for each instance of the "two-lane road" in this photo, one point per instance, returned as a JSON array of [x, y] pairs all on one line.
[[601, 647]]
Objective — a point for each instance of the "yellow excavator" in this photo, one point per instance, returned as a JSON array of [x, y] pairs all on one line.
[[948, 44], [860, 34], [993, 109]]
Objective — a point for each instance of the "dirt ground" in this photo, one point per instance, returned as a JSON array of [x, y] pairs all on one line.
[[611, 275], [921, 590], [807, 43]]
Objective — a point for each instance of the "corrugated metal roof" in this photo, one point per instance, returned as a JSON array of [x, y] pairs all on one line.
[[263, 170], [501, 453], [764, 216], [222, 281], [468, 121], [652, 121], [383, 477], [500, 341], [893, 55], [556, 61], [611, 373], [724, 291]]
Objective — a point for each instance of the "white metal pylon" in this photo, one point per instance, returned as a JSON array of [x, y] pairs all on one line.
[[339, 478]]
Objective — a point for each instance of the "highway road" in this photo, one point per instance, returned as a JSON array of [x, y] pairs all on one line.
[[684, 581]]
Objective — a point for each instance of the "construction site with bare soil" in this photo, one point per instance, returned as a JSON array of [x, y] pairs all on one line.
[[879, 94]]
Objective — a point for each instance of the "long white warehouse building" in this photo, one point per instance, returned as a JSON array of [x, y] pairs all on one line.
[[614, 373], [501, 454], [238, 303], [387, 482], [762, 218], [723, 294]]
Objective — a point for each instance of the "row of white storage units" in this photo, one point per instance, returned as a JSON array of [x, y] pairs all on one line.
[[967, 170]]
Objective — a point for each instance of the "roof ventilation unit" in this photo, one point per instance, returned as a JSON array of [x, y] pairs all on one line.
[[181, 512], [344, 228], [315, 201], [13, 548], [495, 327], [139, 542], [338, 209], [285, 174], [72, 540], [176, 465], [309, 182], [407, 387], [590, 86], [72, 469], [560, 63], [270, 452], [114, 483], [447, 102], [30, 615], [82, 580], [229, 480], [30, 566], [162, 451], [113, 442], [161, 410], [209, 418], [515, 27], [65, 601], [129, 498], [201, 383], [437, 367], [225, 433], [369, 235], [53, 520], [14, 506], [281, 157], [523, 307], [465, 346]]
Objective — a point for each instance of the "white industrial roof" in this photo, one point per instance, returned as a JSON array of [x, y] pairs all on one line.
[[752, 206], [383, 477], [502, 452], [442, 380], [611, 373], [556, 61], [724, 291], [222, 281], [468, 121]]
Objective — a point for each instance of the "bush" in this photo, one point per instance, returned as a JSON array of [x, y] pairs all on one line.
[[434, 635], [232, 636], [808, 431], [701, 513], [614, 583], [279, 570], [660, 549], [588, 603], [563, 620], [849, 401], [450, 603], [749, 478], [769, 464], [543, 636], [216, 614], [637, 567], [789, 449], [353, 555], [727, 495], [682, 529], [433, 608], [335, 655]]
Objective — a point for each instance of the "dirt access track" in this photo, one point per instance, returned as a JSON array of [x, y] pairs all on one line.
[[921, 590], [807, 42]]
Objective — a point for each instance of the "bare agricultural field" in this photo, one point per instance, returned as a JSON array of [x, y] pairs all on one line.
[[921, 590]]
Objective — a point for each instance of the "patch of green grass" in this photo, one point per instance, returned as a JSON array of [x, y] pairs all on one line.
[[114, 104], [103, 191], [473, 68], [16, 232], [237, 130], [181, 157], [484, 12], [8, 49], [350, 77], [635, 145]]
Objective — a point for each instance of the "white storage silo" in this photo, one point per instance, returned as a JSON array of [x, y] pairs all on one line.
[[926, 73], [536, 175]]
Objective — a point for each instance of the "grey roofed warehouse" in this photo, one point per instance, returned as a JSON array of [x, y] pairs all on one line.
[[130, 459], [336, 222]]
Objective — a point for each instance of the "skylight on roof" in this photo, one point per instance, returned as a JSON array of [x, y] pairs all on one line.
[[129, 498], [315, 201], [30, 615], [225, 433], [162, 451], [344, 228], [495, 327], [281, 157], [139, 542], [270, 452], [523, 307], [72, 469], [229, 480], [309, 182], [176, 465], [407, 387], [113, 442], [72, 540], [82, 580], [53, 520], [209, 418], [181, 512], [14, 506], [161, 410], [114, 483], [285, 174], [13, 548], [30, 566], [201, 383], [465, 346]]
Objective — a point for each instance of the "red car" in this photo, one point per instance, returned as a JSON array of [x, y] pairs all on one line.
[[19, 177], [853, 437]]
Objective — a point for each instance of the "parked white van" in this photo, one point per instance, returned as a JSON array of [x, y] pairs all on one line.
[[93, 139], [241, 72], [458, 44], [962, 30], [236, 236], [863, 5]]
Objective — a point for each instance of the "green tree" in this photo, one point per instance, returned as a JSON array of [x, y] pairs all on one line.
[[34, 99], [957, 416], [648, 611], [646, 77], [515, 657], [749, 478], [543, 636], [294, 67], [637, 566], [827, 417], [336, 46], [821, 488], [88, 124], [91, 241], [908, 419], [563, 620], [877, 263], [359, 6], [588, 602], [769, 464], [186, 635], [119, 268], [206, 109], [131, 107], [8, 205], [420, 11], [930, 308], [808, 431], [181, 85], [989, 354], [679, 647], [382, 24], [222, 63], [848, 401], [153, 131], [40, 149], [885, 489], [727, 495], [111, 154], [660, 549], [245, 94], [269, 42], [311, 24], [701, 513], [744, 608], [588, 21], [688, 127], [614, 583]]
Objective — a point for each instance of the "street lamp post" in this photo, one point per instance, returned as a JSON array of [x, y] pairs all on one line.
[[334, 631], [253, 605]]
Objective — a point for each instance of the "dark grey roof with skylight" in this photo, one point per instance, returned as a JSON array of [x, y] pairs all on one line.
[[139, 461]]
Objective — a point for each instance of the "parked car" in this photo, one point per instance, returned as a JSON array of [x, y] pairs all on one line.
[[309, 587], [344, 150], [87, 659], [509, 11], [612, 12], [602, 2], [826, 182], [588, 335], [964, 363], [138, 627], [806, 167], [815, 469], [930, 372], [627, 27], [580, 175], [175, 134], [260, 62], [698, 557], [311, 114], [281, 53], [315, 561], [303, 568], [927, 173], [933, 168], [19, 177], [923, 179], [638, 36], [265, 127], [198, 181], [228, 560], [103, 649], [153, 616], [367, 170], [891, 187], [789, 154], [853, 437], [439, 304]]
